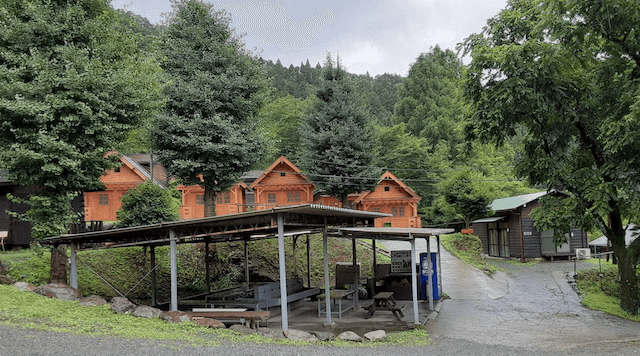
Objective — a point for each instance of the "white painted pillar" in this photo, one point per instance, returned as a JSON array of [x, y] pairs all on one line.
[[327, 291], [174, 270], [414, 277], [73, 267], [283, 275]]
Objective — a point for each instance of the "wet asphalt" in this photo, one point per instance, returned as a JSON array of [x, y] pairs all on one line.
[[523, 310]]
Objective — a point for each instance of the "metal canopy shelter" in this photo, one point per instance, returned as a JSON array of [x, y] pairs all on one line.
[[401, 234], [244, 226]]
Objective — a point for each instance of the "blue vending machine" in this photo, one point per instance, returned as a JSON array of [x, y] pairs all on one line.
[[424, 272]]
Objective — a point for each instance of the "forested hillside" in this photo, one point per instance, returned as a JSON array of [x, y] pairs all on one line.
[[209, 109]]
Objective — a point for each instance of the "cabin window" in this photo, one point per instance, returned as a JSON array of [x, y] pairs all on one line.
[[290, 197], [401, 211], [271, 198], [498, 239], [548, 246], [219, 198], [200, 199], [227, 198], [387, 224], [386, 189], [394, 211], [116, 170], [103, 199], [283, 174], [297, 197]]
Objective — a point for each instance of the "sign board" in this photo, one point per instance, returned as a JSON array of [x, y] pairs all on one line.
[[401, 261], [527, 233]]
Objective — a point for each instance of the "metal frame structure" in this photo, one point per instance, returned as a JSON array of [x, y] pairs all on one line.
[[247, 226]]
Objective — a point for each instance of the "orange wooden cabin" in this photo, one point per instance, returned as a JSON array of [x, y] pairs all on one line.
[[103, 205], [390, 196], [281, 184]]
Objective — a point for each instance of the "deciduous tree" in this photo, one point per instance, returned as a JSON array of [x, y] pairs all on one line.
[[72, 84], [567, 74]]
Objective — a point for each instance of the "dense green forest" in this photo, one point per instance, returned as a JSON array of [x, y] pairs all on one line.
[[211, 110]]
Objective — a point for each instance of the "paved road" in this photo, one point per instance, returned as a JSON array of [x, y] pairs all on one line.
[[526, 310], [529, 307]]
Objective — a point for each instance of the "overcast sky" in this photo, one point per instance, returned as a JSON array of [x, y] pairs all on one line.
[[374, 35]]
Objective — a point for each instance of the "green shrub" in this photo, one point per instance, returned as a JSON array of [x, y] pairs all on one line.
[[148, 204]]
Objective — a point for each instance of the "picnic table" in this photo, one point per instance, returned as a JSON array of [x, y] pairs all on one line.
[[385, 301]]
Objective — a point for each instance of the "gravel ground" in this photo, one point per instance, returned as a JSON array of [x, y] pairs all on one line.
[[21, 342]]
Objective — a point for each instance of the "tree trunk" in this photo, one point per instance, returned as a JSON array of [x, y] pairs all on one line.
[[210, 201], [345, 201], [629, 294], [58, 270]]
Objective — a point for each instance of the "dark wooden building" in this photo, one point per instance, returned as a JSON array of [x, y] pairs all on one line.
[[18, 231], [510, 233]]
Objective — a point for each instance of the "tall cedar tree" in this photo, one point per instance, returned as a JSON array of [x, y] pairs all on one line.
[[567, 73], [207, 136], [336, 138], [72, 84], [430, 99]]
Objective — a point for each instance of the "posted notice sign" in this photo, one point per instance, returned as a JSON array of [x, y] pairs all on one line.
[[401, 261]]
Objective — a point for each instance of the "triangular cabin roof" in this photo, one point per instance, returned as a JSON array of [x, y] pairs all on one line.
[[135, 167], [282, 160], [388, 176]]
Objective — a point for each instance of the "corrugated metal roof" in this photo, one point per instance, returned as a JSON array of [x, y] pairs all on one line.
[[245, 225], [488, 220], [392, 233], [631, 234], [511, 203]]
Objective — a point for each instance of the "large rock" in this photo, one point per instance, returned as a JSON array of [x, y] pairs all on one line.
[[144, 311], [24, 286], [120, 305], [208, 322], [92, 301], [242, 329], [324, 335], [375, 335], [299, 335], [175, 316], [58, 290], [350, 336], [271, 333]]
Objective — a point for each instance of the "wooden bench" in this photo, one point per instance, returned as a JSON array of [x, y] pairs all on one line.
[[385, 301], [248, 318], [336, 295], [268, 295]]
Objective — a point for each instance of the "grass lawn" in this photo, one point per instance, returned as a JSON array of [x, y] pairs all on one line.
[[599, 288], [468, 248]]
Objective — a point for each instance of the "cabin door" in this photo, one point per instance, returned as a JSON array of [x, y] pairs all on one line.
[[499, 240]]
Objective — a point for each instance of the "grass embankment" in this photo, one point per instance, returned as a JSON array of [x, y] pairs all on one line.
[[125, 267], [468, 248], [32, 311], [600, 290], [128, 268]]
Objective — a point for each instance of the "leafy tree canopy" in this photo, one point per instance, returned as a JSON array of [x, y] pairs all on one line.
[[430, 101], [72, 84], [206, 136], [566, 74], [147, 204]]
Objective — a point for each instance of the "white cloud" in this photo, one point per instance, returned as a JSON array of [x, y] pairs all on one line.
[[270, 23]]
